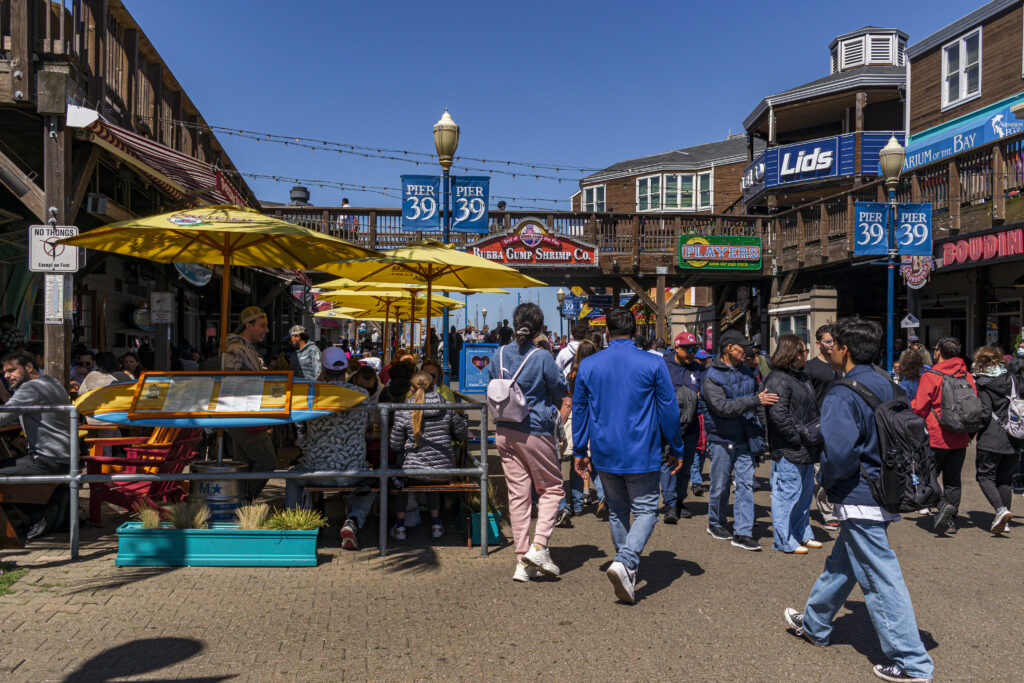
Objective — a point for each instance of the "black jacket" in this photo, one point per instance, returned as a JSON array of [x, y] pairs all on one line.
[[994, 393], [788, 419]]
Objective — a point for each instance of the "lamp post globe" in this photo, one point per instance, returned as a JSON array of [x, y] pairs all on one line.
[[446, 141], [891, 158], [560, 295]]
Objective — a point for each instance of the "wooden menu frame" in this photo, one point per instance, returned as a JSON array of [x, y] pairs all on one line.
[[140, 399]]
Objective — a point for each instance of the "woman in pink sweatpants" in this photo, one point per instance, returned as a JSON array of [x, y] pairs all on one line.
[[529, 453]]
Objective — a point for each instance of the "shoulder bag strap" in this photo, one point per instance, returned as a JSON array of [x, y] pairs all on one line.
[[501, 362], [862, 391], [535, 350]]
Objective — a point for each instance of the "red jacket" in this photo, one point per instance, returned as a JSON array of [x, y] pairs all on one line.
[[928, 403]]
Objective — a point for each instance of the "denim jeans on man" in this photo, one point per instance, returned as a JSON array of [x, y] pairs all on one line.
[[674, 486], [792, 490], [576, 491], [861, 555], [724, 459], [626, 493]]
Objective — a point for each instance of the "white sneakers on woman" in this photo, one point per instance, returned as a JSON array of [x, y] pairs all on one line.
[[524, 572], [541, 559]]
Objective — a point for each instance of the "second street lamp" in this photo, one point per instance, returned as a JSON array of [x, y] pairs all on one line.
[[891, 161], [560, 295], [446, 141]]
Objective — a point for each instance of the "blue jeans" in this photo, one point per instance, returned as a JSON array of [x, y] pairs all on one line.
[[359, 505], [696, 472], [861, 555], [575, 492], [792, 489], [636, 493], [673, 486], [725, 457]]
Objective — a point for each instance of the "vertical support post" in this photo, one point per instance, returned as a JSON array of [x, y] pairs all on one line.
[[57, 190], [75, 485], [445, 358], [998, 183], [953, 200], [890, 279], [383, 534], [659, 298], [484, 524]]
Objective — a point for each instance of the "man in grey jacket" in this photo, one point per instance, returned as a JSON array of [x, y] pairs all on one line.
[[306, 359], [49, 443]]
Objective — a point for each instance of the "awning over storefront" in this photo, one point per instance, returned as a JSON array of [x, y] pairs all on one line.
[[178, 174], [966, 132]]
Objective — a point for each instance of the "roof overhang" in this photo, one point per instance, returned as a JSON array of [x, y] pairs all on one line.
[[660, 167], [966, 22]]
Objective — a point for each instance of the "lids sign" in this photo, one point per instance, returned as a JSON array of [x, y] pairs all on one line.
[[710, 252], [531, 244]]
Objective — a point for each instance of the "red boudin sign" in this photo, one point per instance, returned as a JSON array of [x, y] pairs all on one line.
[[530, 244], [1008, 244]]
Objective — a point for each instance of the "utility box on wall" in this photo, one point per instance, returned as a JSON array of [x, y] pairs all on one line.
[[801, 314]]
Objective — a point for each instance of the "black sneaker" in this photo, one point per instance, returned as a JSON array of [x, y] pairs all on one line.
[[718, 532], [671, 516], [796, 620], [943, 518], [952, 528], [564, 519], [683, 513], [697, 489], [746, 543], [893, 672]]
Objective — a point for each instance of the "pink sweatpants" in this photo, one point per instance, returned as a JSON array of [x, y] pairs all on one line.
[[530, 462]]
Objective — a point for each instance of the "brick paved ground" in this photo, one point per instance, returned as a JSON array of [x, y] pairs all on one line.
[[706, 611]]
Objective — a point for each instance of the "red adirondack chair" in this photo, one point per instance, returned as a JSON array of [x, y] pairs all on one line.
[[152, 459]]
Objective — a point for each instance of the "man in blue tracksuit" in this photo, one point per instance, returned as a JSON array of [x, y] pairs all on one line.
[[623, 410], [735, 436], [684, 371], [861, 554]]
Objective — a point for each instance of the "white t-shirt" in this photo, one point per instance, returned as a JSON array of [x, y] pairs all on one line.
[[565, 357], [870, 513]]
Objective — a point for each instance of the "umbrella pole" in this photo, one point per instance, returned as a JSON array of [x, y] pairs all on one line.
[[387, 328], [225, 306], [412, 328], [428, 339]]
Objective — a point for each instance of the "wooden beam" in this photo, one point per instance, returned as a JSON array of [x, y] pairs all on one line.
[[22, 187], [82, 168], [21, 49], [998, 184], [787, 284], [660, 307], [640, 292]]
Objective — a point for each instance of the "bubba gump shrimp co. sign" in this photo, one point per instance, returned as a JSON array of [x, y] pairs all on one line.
[[531, 244]]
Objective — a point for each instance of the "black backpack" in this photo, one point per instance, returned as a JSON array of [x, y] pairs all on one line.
[[908, 481], [687, 400], [961, 408]]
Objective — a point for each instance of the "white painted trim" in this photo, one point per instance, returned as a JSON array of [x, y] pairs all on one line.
[[583, 198], [787, 309], [661, 189], [959, 42]]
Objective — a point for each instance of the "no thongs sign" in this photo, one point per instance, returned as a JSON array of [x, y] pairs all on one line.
[[712, 252], [45, 255]]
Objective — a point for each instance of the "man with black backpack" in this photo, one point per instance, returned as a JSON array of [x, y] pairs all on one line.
[[948, 399], [861, 553], [687, 376]]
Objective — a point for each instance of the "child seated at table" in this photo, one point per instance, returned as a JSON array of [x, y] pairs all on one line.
[[424, 438]]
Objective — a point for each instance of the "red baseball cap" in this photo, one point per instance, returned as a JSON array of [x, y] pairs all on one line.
[[685, 339]]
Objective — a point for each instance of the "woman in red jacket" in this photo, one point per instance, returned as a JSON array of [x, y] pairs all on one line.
[[949, 447]]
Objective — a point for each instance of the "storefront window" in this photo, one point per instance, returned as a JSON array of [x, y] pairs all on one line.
[[648, 193], [961, 69], [795, 324]]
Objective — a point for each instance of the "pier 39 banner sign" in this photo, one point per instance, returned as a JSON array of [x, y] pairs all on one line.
[[530, 243], [713, 252]]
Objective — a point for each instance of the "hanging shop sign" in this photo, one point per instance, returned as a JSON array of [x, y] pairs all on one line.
[[913, 229], [711, 252], [916, 269], [194, 273], [422, 203], [531, 244], [991, 247]]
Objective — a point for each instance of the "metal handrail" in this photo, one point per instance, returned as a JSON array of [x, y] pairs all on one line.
[[74, 478]]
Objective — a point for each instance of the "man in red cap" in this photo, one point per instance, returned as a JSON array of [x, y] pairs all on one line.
[[684, 371]]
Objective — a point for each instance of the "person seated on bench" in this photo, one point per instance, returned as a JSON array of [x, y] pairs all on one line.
[[424, 437], [336, 442], [49, 441]]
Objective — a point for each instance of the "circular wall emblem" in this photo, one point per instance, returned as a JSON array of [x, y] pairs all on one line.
[[531, 235], [186, 221], [697, 240]]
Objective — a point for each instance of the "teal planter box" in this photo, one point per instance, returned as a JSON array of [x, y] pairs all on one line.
[[222, 545], [493, 533]]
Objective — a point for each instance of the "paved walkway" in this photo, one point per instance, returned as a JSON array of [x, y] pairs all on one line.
[[706, 611]]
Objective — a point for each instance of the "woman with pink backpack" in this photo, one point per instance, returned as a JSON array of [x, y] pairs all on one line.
[[523, 395]]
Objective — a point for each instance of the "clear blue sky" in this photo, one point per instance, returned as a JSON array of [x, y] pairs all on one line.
[[578, 83]]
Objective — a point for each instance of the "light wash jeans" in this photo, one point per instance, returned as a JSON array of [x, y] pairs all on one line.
[[792, 489], [724, 459], [861, 555], [674, 486], [696, 472], [575, 493], [636, 493], [359, 505]]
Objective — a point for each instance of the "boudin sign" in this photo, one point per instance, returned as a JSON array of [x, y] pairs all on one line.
[[530, 244]]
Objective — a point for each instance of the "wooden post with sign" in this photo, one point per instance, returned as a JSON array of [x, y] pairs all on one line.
[[659, 296]]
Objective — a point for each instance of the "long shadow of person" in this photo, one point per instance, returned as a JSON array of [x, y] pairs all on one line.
[[141, 656], [575, 556], [660, 568], [856, 630]]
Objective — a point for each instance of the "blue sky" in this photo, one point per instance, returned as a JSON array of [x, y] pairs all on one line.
[[584, 84]]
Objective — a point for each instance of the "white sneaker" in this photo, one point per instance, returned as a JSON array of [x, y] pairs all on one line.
[[524, 573], [398, 533], [541, 559], [1003, 517], [623, 580], [437, 530]]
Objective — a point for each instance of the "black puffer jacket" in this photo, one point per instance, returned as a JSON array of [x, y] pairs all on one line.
[[994, 393], [788, 419]]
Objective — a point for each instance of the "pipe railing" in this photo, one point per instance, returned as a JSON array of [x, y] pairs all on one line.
[[74, 478]]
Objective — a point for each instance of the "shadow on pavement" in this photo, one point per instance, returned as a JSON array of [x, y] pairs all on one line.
[[575, 556], [856, 630], [124, 577], [422, 559], [140, 657], [660, 569]]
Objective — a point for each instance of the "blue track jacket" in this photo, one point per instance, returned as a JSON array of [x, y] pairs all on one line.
[[623, 409]]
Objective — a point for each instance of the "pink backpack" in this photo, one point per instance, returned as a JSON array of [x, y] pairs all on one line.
[[505, 399]]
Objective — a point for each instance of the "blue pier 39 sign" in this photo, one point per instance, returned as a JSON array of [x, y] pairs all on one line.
[[469, 203], [913, 229], [421, 202]]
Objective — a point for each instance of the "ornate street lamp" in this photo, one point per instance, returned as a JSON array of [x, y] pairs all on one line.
[[446, 141], [560, 294], [890, 159]]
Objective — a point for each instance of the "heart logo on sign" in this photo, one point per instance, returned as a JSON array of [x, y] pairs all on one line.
[[481, 362]]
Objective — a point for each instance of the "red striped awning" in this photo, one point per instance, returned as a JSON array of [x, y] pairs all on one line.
[[176, 173]]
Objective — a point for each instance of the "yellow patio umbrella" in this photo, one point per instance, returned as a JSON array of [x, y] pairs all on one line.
[[226, 235], [345, 283], [434, 264]]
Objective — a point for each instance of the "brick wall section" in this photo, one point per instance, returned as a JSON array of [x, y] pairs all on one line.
[[1000, 73]]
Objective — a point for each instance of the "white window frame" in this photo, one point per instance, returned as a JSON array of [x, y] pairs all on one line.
[[711, 190], [591, 207], [661, 186], [679, 188], [959, 42]]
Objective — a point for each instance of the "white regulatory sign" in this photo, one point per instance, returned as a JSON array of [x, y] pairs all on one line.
[[45, 255], [910, 322]]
